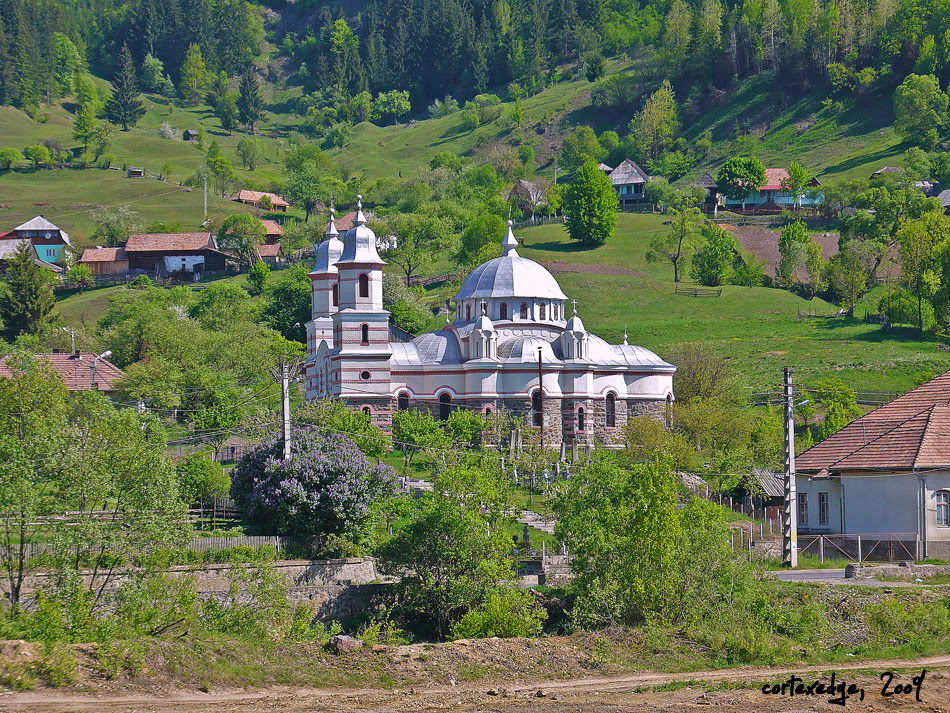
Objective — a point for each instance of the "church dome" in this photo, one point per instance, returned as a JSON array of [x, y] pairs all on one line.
[[525, 350], [329, 251], [359, 242], [510, 276]]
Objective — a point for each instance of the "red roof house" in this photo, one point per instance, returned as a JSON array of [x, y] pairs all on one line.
[[77, 370], [888, 472], [254, 198]]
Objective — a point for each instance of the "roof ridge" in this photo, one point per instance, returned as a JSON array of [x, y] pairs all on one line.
[[873, 440]]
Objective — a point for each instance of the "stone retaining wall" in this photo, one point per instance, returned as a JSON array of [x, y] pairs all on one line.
[[338, 588], [908, 571]]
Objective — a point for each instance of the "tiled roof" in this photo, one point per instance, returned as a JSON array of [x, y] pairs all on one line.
[[774, 178], [103, 255], [628, 172], [77, 371], [158, 242], [268, 250], [346, 222], [272, 227], [706, 181], [912, 431], [246, 196]]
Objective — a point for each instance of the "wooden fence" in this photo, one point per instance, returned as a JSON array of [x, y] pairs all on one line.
[[697, 291]]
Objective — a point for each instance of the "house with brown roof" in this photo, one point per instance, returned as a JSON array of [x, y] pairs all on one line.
[[10, 243], [166, 253], [81, 371], [272, 231], [48, 239], [254, 198], [105, 261], [629, 180], [888, 472], [269, 253]]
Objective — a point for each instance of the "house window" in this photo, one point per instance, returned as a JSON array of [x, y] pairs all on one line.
[[468, 312], [544, 311], [445, 406], [524, 310], [943, 508], [536, 408], [822, 508], [403, 402], [364, 285], [336, 295], [504, 311], [364, 334], [580, 419], [803, 508], [611, 411], [556, 312]]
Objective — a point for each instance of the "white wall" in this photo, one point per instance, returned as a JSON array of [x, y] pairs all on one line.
[[812, 488], [880, 503]]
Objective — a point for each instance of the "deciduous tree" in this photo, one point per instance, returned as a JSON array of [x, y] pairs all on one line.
[[27, 299], [591, 205], [679, 243], [740, 176], [242, 233]]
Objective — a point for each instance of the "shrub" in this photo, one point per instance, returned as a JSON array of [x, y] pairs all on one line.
[[257, 277], [81, 275], [58, 665], [505, 613], [167, 131], [106, 160], [201, 479], [327, 487], [901, 308]]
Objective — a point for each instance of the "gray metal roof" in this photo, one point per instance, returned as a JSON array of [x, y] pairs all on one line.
[[359, 243], [510, 276]]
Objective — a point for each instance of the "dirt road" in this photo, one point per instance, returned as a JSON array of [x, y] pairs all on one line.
[[723, 691]]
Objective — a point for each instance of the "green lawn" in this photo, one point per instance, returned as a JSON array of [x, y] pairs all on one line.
[[757, 329]]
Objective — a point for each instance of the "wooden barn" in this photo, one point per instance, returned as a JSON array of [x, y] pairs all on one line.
[[254, 198], [167, 253]]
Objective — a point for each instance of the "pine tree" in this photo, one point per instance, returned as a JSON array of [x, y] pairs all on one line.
[[250, 104], [125, 107], [28, 298], [480, 69]]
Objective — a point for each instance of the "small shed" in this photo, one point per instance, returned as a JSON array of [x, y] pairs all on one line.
[[133, 172], [269, 253], [190, 135], [106, 261]]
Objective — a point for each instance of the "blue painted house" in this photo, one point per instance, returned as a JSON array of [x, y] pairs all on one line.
[[770, 196], [47, 238]]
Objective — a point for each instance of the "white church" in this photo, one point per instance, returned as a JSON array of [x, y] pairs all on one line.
[[512, 345]]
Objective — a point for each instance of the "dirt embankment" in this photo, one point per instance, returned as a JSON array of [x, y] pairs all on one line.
[[763, 243]]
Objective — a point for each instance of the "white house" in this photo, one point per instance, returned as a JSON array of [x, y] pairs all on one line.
[[511, 335], [886, 473]]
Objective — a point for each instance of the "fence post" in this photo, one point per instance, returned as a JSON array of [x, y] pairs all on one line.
[[821, 548], [730, 503], [761, 530], [741, 538], [859, 549], [750, 541], [732, 541]]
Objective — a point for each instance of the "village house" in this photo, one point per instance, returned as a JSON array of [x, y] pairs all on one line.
[[82, 371], [528, 195], [190, 135], [887, 473], [48, 239], [9, 246], [167, 253], [269, 253], [272, 231], [629, 180], [769, 196], [254, 198], [105, 261]]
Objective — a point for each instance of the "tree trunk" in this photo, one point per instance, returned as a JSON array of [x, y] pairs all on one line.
[[676, 274]]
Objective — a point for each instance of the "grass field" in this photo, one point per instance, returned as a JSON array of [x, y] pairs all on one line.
[[757, 329]]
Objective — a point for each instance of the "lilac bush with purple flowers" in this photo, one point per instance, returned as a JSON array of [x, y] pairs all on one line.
[[328, 489]]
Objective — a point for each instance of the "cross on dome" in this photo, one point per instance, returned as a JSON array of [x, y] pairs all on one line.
[[484, 307], [625, 334], [574, 302]]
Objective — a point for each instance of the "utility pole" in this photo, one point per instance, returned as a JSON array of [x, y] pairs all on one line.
[[285, 392], [92, 368], [790, 509], [540, 398], [206, 202], [72, 339]]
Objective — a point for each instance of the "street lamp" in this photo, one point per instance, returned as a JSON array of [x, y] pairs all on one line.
[[92, 367]]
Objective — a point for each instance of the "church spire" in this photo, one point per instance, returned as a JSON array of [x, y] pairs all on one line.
[[360, 218], [510, 243]]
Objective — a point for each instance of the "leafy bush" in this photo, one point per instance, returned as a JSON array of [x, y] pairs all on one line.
[[901, 308], [443, 108], [711, 263], [58, 665], [167, 131], [327, 487], [81, 275], [201, 479], [257, 277], [505, 613]]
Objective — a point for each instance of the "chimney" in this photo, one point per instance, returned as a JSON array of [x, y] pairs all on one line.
[[78, 354]]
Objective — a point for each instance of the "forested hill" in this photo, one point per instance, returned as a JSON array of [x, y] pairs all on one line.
[[468, 47]]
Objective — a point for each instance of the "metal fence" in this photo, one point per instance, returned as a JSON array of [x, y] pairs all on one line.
[[866, 547]]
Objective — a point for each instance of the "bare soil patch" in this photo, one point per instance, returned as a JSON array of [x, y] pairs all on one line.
[[763, 243], [588, 269]]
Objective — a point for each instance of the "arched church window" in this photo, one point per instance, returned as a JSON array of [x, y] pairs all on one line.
[[580, 419], [364, 285], [487, 414], [504, 311], [544, 311], [364, 334], [403, 401], [524, 310], [611, 411], [445, 406], [468, 312], [336, 295], [536, 408], [556, 312], [367, 411]]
